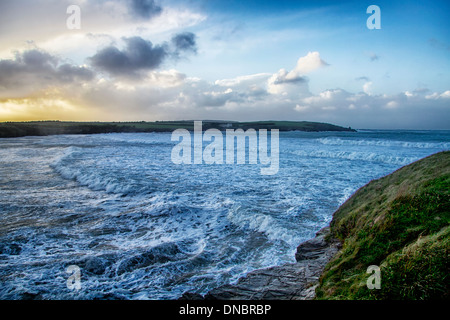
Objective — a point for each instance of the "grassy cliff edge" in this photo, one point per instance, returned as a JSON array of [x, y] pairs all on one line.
[[400, 223]]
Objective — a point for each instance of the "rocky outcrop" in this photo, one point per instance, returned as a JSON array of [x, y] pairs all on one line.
[[293, 281]]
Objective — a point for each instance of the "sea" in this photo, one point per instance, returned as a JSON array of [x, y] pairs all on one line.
[[110, 216]]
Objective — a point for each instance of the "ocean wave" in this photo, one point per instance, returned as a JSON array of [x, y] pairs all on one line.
[[355, 155], [66, 167], [265, 224], [137, 138], [384, 143]]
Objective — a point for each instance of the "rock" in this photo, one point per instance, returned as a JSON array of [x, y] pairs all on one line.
[[316, 248], [96, 265], [191, 296], [159, 254], [10, 249], [30, 296], [293, 281]]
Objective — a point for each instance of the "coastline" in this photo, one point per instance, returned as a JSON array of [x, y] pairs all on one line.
[[45, 128], [291, 281], [361, 218], [399, 223]]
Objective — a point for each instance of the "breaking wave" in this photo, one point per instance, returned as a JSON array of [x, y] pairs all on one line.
[[356, 155], [333, 141], [85, 176]]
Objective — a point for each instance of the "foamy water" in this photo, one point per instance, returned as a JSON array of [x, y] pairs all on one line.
[[141, 227]]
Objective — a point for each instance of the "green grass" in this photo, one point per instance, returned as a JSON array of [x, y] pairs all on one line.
[[400, 223], [420, 271]]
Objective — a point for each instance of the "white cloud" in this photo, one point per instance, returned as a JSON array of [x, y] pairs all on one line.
[[165, 78], [446, 94], [294, 82], [301, 108], [243, 80], [326, 96], [367, 88], [392, 104], [306, 64], [437, 95]]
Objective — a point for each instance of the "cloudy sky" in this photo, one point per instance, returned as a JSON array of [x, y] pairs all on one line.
[[232, 60]]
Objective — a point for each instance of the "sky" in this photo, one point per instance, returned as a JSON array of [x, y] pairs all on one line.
[[134, 60]]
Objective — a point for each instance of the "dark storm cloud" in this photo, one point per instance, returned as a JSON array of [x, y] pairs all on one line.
[[69, 73], [26, 63], [140, 55], [185, 42], [37, 68], [36, 59], [144, 9]]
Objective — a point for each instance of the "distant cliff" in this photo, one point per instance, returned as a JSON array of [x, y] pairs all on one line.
[[44, 128]]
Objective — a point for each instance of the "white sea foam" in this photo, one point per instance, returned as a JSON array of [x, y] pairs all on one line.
[[265, 224], [150, 138], [67, 167], [334, 141], [356, 155]]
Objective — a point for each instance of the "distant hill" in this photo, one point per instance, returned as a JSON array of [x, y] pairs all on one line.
[[43, 128]]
